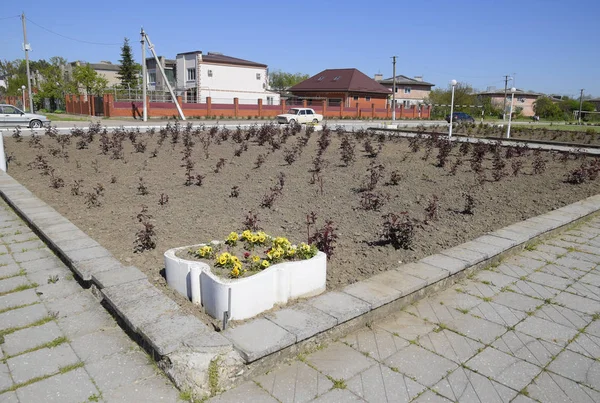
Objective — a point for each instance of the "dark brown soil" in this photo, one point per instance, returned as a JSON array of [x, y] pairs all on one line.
[[584, 136], [195, 214]]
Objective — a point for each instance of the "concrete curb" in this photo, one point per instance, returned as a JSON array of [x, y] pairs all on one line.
[[187, 350]]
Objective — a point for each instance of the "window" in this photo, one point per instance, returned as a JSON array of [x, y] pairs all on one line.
[[407, 90], [336, 78], [309, 112], [269, 100], [191, 74], [406, 104], [396, 89], [355, 98], [210, 73], [367, 98], [10, 110], [320, 78], [303, 112], [152, 77], [258, 76]]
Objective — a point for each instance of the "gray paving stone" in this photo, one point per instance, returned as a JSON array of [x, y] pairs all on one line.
[[400, 281], [15, 299], [430, 274], [10, 284], [373, 291], [295, 383], [549, 387], [431, 397], [587, 345], [22, 316], [339, 361], [464, 385], [9, 270], [578, 303], [563, 316], [472, 257], [516, 301], [120, 275], [46, 361], [6, 260], [570, 262], [503, 368], [409, 362], [437, 311], [563, 272], [120, 369], [338, 396], [374, 342], [93, 347], [518, 237], [534, 290], [341, 306], [247, 392], [42, 264], [85, 269], [450, 345], [535, 351], [493, 278], [478, 329], [5, 379], [448, 263], [549, 331], [29, 245], [86, 322], [405, 325], [591, 278], [380, 384], [477, 289], [83, 254], [585, 290], [17, 342], [72, 235], [482, 245], [577, 367], [42, 277], [10, 397], [497, 313], [258, 338], [82, 242], [302, 320], [72, 304], [32, 255], [3, 250], [80, 388], [549, 280], [62, 289]]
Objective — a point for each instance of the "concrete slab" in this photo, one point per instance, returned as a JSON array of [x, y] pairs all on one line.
[[295, 383], [409, 362], [302, 320], [430, 274], [464, 385], [119, 275], [258, 338], [448, 263], [374, 342], [339, 361], [341, 306], [80, 389], [381, 384], [17, 342], [46, 361]]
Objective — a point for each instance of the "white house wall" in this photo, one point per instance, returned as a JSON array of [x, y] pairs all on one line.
[[185, 62]]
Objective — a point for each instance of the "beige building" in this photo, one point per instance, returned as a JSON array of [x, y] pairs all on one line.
[[105, 69], [409, 91], [523, 100]]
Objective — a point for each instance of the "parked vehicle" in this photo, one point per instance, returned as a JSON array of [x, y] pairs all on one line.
[[460, 117], [300, 115], [12, 116]]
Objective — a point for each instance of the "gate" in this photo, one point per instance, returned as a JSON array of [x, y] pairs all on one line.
[[98, 106]]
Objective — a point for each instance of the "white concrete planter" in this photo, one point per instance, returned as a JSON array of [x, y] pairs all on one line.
[[250, 296]]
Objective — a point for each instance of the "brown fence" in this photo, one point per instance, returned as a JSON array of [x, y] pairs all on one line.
[[78, 104]]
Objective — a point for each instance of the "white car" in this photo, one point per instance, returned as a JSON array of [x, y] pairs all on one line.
[[300, 115], [12, 116]]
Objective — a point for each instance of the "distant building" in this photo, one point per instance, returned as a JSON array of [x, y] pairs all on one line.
[[346, 87], [156, 81], [409, 91], [222, 78], [595, 102], [523, 100], [104, 68]]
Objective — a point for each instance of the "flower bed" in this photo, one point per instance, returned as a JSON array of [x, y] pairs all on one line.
[[247, 286]]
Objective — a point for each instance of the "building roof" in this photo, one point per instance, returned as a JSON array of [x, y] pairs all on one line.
[[214, 57], [404, 80], [517, 92], [344, 80], [98, 66]]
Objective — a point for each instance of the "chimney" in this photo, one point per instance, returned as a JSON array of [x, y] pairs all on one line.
[[378, 77], [419, 78]]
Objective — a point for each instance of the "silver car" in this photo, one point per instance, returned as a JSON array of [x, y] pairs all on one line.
[[12, 116]]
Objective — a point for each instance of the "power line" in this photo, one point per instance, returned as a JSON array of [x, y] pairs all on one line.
[[73, 39], [8, 18]]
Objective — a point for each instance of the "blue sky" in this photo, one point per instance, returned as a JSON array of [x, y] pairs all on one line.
[[551, 45]]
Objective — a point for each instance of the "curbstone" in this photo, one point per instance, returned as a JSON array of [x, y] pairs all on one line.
[[116, 276], [259, 338], [424, 271], [453, 265], [373, 291], [302, 320], [340, 305]]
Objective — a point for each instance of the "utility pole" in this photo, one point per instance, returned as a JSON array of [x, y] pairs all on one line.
[[27, 48], [514, 80], [580, 105], [143, 42], [505, 88], [394, 89]]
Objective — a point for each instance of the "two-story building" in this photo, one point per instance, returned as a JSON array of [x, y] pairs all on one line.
[[222, 78], [347, 87], [409, 91], [156, 81], [523, 100]]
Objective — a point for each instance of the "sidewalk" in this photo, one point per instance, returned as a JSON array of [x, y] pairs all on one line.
[[526, 330], [58, 344]]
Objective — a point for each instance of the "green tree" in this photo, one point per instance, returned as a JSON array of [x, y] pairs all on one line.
[[281, 81], [89, 79], [463, 95], [546, 108], [129, 70]]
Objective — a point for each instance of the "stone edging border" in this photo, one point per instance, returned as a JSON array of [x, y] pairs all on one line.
[[199, 359]]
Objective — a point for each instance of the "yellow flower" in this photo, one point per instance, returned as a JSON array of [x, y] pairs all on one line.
[[247, 235], [304, 247], [235, 260], [223, 258], [254, 238], [235, 272], [265, 263], [277, 254], [270, 254], [233, 237], [255, 259], [291, 252]]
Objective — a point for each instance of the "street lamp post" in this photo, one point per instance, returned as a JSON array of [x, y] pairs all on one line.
[[453, 83], [23, 90], [512, 98]]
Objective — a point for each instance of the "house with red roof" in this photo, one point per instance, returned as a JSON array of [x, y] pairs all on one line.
[[347, 87]]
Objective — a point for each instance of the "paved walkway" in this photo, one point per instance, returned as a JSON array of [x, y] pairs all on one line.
[[526, 330], [57, 343]]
